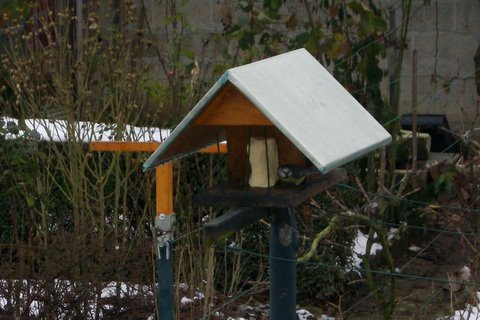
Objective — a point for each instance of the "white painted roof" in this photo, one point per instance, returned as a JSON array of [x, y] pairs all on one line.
[[303, 100]]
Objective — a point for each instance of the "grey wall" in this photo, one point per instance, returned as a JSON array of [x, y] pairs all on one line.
[[445, 33]]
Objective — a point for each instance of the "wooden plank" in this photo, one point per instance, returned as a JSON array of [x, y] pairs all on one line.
[[164, 188], [237, 167], [231, 107], [124, 146], [133, 146], [220, 148], [275, 197]]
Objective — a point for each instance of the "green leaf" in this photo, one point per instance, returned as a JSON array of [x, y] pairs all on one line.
[[359, 7], [275, 4], [245, 41], [189, 54], [30, 199], [301, 39], [272, 4], [262, 17], [244, 5]]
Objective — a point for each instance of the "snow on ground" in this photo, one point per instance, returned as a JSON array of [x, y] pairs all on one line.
[[470, 312], [197, 297], [361, 246], [80, 131], [303, 314], [32, 297]]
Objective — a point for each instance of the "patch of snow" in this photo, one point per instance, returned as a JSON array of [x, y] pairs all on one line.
[[465, 274], [470, 312], [393, 234], [31, 298], [124, 289], [183, 286], [80, 131], [361, 246], [303, 314], [414, 248], [185, 301]]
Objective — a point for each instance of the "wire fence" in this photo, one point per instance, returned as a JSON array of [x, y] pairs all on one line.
[[361, 270]]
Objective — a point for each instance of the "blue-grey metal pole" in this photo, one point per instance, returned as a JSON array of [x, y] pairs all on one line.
[[283, 266], [165, 281]]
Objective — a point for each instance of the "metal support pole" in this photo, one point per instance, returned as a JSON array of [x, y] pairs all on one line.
[[283, 266], [165, 277], [165, 225]]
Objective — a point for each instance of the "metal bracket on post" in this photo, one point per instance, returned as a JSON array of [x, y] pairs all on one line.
[[165, 222], [164, 240]]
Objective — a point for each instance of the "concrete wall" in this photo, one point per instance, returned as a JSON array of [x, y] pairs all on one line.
[[446, 50], [446, 35], [200, 33]]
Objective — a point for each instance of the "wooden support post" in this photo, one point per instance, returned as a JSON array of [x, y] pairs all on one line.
[[164, 189], [283, 265]]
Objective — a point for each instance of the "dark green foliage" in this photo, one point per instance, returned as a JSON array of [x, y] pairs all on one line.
[[20, 160]]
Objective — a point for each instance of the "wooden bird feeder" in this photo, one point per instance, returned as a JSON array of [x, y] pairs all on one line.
[[291, 98], [293, 110]]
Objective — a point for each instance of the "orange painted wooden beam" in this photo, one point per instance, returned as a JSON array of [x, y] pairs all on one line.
[[220, 148], [163, 173], [125, 146], [164, 188], [137, 146]]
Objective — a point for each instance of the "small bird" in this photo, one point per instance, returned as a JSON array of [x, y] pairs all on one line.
[[294, 175]]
